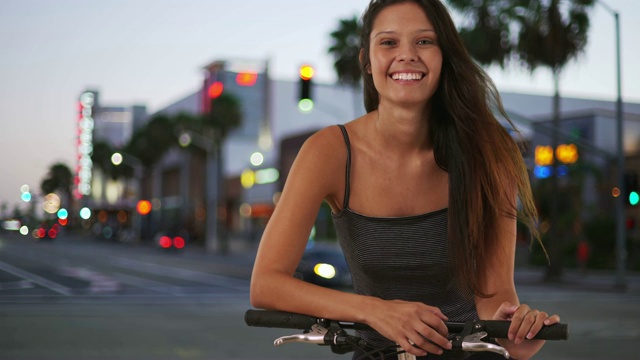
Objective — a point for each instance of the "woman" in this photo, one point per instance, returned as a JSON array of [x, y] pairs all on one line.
[[423, 192]]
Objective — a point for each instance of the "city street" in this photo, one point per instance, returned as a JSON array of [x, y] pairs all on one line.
[[81, 298]]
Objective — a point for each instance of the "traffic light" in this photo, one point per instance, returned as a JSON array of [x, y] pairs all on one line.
[[143, 207], [631, 188], [305, 103], [215, 90]]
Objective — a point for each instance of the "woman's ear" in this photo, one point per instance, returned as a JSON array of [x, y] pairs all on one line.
[[360, 57]]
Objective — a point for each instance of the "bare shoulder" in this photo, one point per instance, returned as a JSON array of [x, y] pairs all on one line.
[[319, 168], [325, 147]]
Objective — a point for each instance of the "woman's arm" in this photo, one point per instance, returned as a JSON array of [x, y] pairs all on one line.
[[314, 176], [504, 305]]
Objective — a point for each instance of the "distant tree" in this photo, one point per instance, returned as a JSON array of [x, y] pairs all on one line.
[[225, 115], [101, 158], [345, 48], [150, 142], [59, 179]]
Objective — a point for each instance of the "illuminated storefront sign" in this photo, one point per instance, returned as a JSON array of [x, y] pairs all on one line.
[[85, 145]]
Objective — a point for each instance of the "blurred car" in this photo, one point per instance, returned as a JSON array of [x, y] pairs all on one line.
[[46, 231], [324, 265], [171, 240]]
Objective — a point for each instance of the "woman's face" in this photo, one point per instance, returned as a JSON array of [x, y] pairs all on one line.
[[405, 56]]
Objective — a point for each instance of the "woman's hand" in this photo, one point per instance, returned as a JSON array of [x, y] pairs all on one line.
[[525, 324], [418, 328]]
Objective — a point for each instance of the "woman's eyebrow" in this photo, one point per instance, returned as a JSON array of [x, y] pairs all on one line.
[[391, 32]]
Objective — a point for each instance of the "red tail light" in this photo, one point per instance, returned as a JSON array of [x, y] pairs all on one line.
[[165, 242], [178, 242]]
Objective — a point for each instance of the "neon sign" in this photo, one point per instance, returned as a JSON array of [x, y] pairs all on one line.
[[85, 145]]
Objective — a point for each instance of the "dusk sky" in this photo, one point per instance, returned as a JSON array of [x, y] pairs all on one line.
[[152, 52]]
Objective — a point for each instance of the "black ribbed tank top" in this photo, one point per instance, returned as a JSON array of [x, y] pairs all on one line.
[[400, 258]]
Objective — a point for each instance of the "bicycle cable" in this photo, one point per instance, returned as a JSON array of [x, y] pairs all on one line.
[[380, 351]]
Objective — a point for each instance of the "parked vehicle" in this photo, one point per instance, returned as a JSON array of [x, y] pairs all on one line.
[[171, 240], [46, 231], [324, 265]]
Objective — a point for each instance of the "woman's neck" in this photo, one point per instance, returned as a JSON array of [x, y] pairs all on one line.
[[404, 129]]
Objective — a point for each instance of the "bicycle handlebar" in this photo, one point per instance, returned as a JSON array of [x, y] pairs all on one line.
[[466, 337], [494, 328]]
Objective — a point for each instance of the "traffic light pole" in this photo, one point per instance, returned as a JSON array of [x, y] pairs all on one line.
[[621, 236]]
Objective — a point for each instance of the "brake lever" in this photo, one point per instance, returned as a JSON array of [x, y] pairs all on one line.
[[474, 343], [314, 336]]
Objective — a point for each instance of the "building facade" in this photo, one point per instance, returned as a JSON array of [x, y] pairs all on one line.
[[274, 128]]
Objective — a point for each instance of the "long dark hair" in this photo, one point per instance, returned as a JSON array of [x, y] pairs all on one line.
[[484, 162]]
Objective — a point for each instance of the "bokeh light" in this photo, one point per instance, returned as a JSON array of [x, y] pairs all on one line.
[[26, 196], [63, 213], [143, 207], [257, 159], [51, 203], [116, 159], [85, 213]]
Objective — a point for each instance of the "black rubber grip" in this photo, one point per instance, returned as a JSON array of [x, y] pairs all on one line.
[[500, 329], [278, 319]]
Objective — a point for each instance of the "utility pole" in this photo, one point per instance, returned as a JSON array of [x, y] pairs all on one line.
[[212, 239], [621, 233]]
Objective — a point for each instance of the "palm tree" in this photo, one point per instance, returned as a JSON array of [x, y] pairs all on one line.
[[345, 48], [150, 142], [486, 29], [59, 178], [101, 158], [224, 116], [536, 33]]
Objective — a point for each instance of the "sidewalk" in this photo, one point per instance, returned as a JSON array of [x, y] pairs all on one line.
[[573, 279]]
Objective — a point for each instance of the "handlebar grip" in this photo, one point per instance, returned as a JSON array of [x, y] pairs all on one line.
[[279, 319], [500, 329]]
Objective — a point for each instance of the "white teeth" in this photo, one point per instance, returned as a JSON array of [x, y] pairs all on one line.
[[406, 76]]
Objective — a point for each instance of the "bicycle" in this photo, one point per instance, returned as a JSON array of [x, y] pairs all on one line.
[[467, 338]]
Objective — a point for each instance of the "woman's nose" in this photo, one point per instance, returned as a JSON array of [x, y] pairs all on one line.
[[407, 53]]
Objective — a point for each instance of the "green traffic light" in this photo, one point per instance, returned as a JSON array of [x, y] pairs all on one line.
[[305, 105], [634, 198]]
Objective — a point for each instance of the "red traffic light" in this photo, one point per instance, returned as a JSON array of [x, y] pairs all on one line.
[[215, 90]]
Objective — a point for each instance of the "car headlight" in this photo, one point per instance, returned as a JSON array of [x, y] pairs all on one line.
[[325, 270]]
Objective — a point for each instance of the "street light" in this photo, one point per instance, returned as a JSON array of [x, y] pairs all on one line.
[[620, 226]]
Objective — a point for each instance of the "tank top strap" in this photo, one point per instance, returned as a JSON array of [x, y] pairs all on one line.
[[345, 204]]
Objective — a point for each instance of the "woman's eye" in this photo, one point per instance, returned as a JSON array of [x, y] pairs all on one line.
[[425, 42], [387, 42]]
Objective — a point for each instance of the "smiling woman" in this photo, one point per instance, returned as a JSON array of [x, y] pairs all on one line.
[[423, 191]]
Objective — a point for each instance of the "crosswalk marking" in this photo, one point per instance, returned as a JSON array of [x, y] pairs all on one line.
[[61, 289], [182, 274]]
